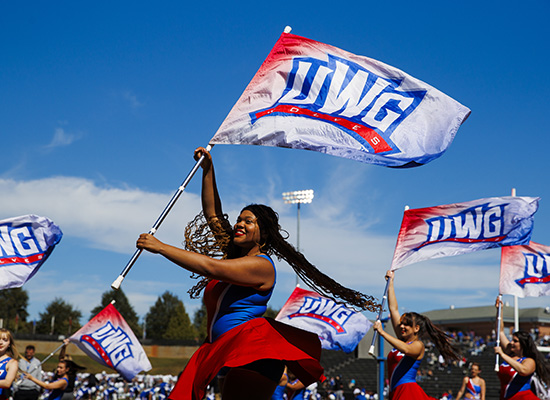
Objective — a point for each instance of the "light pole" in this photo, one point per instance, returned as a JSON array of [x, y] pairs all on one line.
[[298, 197]]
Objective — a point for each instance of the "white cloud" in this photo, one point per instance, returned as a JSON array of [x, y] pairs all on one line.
[[131, 99], [62, 138], [107, 218], [101, 224]]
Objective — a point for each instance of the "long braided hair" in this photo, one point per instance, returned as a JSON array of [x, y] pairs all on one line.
[[441, 340], [218, 243]]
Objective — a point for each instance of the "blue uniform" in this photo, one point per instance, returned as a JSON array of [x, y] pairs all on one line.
[[231, 305], [56, 394], [3, 373]]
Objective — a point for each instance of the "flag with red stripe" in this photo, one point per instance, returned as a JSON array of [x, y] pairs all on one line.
[[524, 270], [338, 327], [461, 228], [108, 339], [313, 96], [25, 244]]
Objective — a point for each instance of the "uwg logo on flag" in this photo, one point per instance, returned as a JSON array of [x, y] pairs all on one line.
[[338, 327], [461, 228], [309, 95], [524, 270], [108, 339], [25, 244]]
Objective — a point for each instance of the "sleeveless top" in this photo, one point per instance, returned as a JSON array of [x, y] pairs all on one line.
[[4, 393], [473, 389], [56, 394], [511, 382], [401, 368], [229, 305]]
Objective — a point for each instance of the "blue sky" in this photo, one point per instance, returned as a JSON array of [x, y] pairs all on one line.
[[102, 104]]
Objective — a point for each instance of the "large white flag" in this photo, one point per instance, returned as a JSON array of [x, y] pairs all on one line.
[[108, 339], [313, 96], [524, 270], [338, 327], [25, 244], [460, 228]]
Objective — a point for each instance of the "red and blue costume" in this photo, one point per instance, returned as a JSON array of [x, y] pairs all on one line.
[[473, 389], [402, 370], [238, 336], [4, 393], [513, 385]]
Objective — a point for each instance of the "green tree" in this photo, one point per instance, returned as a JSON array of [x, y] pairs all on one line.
[[180, 326], [271, 312], [123, 306], [200, 320], [66, 319], [159, 315], [13, 309]]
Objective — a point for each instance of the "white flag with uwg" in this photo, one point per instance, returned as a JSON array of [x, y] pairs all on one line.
[[108, 339], [25, 244], [313, 96], [338, 327], [524, 270], [460, 228]]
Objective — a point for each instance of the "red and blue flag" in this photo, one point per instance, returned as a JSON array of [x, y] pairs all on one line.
[[108, 339], [25, 244], [524, 270], [338, 327], [313, 96], [460, 228]]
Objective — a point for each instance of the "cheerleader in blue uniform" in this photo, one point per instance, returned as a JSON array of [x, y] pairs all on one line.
[[405, 358], [473, 386], [8, 362], [239, 276], [521, 359], [58, 386]]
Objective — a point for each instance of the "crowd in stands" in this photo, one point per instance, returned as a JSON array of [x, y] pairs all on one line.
[[107, 386]]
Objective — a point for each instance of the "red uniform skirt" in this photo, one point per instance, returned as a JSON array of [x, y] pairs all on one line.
[[257, 339], [524, 395], [409, 391]]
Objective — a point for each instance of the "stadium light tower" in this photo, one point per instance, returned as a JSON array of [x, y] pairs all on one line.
[[298, 197]]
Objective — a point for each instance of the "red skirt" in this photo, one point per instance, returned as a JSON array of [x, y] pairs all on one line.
[[257, 339], [409, 391], [524, 395]]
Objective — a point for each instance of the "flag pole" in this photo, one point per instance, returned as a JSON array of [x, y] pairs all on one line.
[[44, 360], [379, 316], [118, 281], [499, 319]]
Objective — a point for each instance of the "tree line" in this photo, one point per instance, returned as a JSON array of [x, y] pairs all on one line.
[[167, 319]]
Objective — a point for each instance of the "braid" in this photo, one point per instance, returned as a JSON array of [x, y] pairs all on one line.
[[217, 242], [275, 243], [441, 340], [211, 239]]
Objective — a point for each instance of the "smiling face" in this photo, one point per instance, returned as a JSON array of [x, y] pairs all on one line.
[[407, 328], [5, 342], [474, 371], [247, 231], [515, 346], [61, 369]]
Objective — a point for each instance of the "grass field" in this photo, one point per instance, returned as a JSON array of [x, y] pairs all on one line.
[[161, 366]]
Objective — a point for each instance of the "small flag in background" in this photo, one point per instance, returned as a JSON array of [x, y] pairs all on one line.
[[108, 339], [524, 270], [313, 96], [25, 244], [338, 327], [461, 228]]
